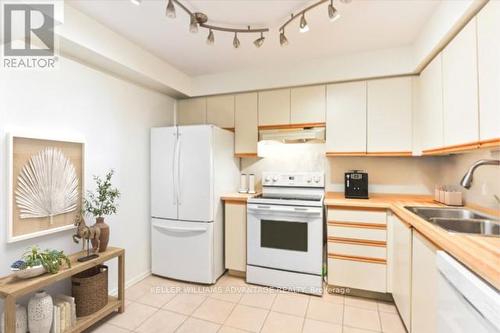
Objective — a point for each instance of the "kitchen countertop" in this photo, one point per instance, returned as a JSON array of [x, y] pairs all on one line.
[[479, 253], [241, 197]]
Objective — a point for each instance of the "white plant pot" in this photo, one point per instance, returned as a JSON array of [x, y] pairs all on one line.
[[40, 310], [21, 320]]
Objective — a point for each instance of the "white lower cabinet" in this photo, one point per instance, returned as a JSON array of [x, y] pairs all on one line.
[[235, 240], [357, 274], [401, 267], [357, 249], [424, 286]]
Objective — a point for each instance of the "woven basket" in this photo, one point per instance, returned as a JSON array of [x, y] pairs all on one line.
[[90, 290]]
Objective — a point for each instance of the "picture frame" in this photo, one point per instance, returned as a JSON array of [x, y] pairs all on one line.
[[66, 143]]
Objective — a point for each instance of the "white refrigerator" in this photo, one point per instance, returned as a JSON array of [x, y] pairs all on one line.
[[191, 167]]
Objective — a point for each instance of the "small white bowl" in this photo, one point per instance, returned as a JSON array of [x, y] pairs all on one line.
[[28, 272]]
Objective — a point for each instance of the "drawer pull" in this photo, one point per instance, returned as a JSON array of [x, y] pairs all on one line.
[[356, 241], [354, 258], [358, 225]]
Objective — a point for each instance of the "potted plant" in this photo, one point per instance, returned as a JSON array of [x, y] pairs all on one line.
[[102, 203], [36, 262]]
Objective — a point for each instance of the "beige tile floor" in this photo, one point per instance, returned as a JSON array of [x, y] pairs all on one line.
[[231, 306]]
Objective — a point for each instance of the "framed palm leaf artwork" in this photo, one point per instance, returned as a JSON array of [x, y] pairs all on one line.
[[45, 185]]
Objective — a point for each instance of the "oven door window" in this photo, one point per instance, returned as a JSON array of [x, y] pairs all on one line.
[[283, 235]]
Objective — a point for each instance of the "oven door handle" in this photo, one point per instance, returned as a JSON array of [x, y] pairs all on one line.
[[261, 209]]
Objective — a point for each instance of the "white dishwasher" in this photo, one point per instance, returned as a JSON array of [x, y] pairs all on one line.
[[465, 302]]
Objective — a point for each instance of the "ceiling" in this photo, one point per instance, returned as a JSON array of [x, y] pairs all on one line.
[[365, 25]]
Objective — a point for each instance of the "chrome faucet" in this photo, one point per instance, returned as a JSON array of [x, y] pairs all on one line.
[[467, 179]]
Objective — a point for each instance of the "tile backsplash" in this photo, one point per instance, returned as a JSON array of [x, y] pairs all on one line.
[[387, 174], [411, 175], [486, 181]]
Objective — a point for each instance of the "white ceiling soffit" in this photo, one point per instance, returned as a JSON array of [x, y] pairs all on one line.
[[364, 26]]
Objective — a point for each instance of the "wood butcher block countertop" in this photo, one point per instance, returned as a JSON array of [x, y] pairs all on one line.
[[238, 197], [480, 254]]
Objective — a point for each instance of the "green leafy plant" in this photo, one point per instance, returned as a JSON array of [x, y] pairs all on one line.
[[51, 260], [102, 201]]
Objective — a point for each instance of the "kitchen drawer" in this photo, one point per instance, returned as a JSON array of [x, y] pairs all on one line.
[[367, 216], [358, 250], [357, 274], [357, 233]]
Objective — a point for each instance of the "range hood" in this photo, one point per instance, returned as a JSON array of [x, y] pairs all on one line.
[[294, 135]]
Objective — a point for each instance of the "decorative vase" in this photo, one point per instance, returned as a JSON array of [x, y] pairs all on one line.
[[104, 238], [40, 311], [21, 320]]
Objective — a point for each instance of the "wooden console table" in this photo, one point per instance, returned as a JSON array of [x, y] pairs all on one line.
[[11, 288]]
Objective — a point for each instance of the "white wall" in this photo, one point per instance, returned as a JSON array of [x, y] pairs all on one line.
[[114, 118]]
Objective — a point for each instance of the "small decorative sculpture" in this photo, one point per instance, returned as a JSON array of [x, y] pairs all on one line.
[[47, 185], [87, 234]]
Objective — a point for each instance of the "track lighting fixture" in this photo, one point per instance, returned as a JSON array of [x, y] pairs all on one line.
[[198, 20], [283, 39], [193, 25], [210, 38], [170, 9], [333, 14], [236, 41], [303, 27], [259, 41]]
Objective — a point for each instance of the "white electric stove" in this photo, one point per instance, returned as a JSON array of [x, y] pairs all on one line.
[[285, 242]]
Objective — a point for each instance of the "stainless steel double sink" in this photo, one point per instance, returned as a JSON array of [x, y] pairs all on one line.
[[459, 220]]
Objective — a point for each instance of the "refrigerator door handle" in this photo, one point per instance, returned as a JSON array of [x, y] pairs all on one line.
[[173, 169], [179, 229], [178, 158]]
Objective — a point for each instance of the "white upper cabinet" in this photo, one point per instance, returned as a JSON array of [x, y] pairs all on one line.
[[192, 111], [246, 131], [488, 35], [308, 105], [220, 111], [390, 115], [274, 107], [430, 112], [460, 88], [346, 117]]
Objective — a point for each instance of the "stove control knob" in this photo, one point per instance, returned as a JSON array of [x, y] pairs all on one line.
[[316, 179], [267, 180], [309, 180], [275, 179]]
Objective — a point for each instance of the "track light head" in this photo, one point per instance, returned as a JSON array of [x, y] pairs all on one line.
[[283, 39], [236, 41], [259, 41], [136, 2], [170, 9], [193, 24], [303, 27], [333, 13], [211, 37]]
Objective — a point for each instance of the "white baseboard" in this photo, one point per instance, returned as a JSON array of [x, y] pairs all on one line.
[[131, 282]]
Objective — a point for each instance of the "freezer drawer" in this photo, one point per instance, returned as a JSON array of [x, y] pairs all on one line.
[[183, 250]]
